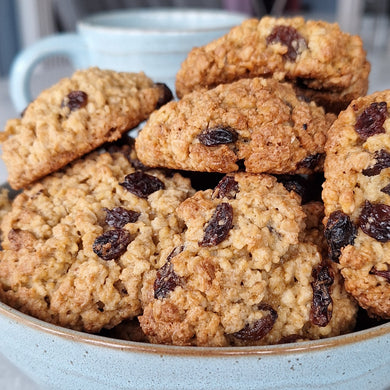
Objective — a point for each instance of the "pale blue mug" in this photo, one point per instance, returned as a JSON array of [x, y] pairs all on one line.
[[152, 40]]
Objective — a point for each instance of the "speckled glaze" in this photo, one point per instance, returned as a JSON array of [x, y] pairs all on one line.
[[58, 358]]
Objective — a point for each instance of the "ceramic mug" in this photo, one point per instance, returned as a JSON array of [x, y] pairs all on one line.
[[152, 40]]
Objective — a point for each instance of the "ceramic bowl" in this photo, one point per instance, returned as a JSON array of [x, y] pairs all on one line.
[[59, 358]]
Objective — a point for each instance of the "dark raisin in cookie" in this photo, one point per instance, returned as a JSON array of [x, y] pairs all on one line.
[[257, 123], [357, 200], [248, 271], [77, 244], [325, 64], [74, 117]]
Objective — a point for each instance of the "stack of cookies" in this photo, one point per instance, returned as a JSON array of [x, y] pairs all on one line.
[[207, 229]]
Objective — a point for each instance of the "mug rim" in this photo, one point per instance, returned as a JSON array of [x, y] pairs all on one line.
[[142, 347], [233, 18]]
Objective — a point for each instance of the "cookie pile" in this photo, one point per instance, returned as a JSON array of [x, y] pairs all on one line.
[[208, 229], [74, 117]]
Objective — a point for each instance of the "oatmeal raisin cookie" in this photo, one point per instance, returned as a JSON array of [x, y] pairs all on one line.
[[357, 200], [72, 118], [243, 275], [258, 122], [78, 242], [324, 63]]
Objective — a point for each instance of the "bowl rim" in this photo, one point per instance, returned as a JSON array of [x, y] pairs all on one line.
[[180, 351], [92, 22]]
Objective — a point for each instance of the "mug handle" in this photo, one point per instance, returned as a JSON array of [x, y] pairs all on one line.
[[69, 45]]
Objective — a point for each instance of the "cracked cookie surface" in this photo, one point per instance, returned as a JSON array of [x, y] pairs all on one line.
[[246, 273], [324, 63], [78, 243], [74, 117], [258, 122], [357, 200]]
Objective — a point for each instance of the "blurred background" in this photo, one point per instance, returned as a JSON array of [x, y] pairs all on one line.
[[22, 22]]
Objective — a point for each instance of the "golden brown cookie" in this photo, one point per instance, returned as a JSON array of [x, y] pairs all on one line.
[[324, 63], [243, 275], [78, 243], [258, 122], [72, 118], [5, 202], [357, 200]]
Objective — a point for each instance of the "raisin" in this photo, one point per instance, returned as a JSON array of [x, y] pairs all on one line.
[[370, 121], [142, 184], [219, 225], [386, 189], [226, 188], [112, 244], [119, 217], [339, 232], [218, 136], [320, 313], [75, 100], [383, 273], [382, 161], [295, 183], [290, 37], [311, 161], [165, 95], [257, 330], [166, 279], [374, 220]]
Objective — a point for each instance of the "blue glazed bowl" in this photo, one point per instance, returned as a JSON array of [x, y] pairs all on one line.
[[59, 358]]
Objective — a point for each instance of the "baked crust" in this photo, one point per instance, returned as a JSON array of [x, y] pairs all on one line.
[[54, 130], [271, 130], [356, 176], [326, 64]]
